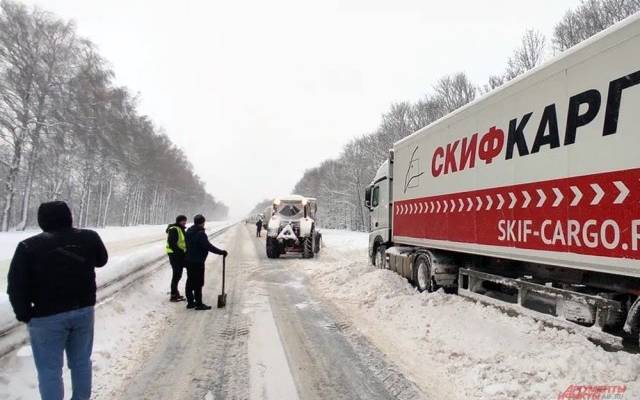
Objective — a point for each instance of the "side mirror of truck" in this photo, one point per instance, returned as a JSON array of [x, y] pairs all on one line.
[[367, 197]]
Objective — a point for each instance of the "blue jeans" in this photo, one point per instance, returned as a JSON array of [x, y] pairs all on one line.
[[51, 336]]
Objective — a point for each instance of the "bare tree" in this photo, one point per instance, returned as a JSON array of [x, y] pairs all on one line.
[[527, 56], [67, 133], [454, 91], [589, 18]]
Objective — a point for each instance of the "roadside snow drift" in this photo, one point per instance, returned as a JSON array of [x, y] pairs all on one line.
[[128, 247], [454, 348]]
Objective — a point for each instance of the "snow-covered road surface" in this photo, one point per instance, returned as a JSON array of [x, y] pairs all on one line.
[[274, 340]]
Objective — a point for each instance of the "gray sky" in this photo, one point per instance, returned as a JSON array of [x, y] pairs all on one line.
[[255, 92]]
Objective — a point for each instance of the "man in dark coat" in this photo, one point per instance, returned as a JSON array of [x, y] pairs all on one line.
[[258, 227], [176, 250], [198, 248], [52, 288]]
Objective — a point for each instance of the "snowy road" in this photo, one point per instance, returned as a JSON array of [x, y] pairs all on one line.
[[274, 340]]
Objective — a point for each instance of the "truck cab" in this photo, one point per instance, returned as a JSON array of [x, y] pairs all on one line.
[[378, 202]]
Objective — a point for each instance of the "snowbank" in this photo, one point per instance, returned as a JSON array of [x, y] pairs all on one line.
[[9, 240], [119, 347], [457, 349], [127, 258]]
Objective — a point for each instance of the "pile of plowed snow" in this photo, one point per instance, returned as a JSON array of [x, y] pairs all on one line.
[[147, 243], [457, 349]]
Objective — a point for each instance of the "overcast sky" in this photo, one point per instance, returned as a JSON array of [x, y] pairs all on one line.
[[257, 92]]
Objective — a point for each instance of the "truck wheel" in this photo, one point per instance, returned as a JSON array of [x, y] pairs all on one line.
[[307, 247], [379, 259], [422, 273], [318, 243]]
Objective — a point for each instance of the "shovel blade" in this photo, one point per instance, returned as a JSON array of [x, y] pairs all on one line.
[[222, 300]]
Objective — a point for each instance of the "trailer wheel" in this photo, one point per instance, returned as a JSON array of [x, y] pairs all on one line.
[[422, 273], [379, 258]]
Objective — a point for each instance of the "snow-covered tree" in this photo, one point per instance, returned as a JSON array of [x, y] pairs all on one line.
[[66, 132]]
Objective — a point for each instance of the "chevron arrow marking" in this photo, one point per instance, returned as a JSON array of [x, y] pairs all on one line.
[[559, 197], [624, 192], [527, 199], [543, 198], [599, 194], [514, 200], [489, 203], [577, 196], [500, 201]]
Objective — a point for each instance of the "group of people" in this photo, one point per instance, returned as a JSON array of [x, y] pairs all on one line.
[[188, 248], [52, 288]]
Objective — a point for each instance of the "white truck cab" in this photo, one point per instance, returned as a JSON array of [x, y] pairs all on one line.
[[378, 201]]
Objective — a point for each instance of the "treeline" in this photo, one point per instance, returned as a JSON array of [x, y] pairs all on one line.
[[68, 132], [339, 183]]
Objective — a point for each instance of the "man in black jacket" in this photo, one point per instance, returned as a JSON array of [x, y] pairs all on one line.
[[259, 227], [176, 250], [198, 248], [52, 287]]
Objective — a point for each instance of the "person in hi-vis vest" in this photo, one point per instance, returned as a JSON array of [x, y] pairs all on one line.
[[176, 249]]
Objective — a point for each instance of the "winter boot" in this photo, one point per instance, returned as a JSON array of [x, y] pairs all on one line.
[[203, 307], [191, 305], [176, 298]]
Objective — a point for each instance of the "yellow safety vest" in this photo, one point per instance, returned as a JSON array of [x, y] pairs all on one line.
[[181, 242]]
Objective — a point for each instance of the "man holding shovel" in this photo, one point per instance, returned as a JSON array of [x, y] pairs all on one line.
[[198, 248]]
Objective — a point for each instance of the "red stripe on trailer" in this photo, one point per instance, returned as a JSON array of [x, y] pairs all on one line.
[[595, 214]]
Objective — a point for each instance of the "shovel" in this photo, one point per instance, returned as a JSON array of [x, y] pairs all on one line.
[[222, 298]]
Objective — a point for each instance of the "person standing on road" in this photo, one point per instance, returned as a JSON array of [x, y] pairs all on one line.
[[52, 288], [258, 227], [176, 250], [198, 248]]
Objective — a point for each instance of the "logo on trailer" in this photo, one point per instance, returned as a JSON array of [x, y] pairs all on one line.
[[412, 177], [583, 108]]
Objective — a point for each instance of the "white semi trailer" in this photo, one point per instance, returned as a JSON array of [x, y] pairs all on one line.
[[529, 195]]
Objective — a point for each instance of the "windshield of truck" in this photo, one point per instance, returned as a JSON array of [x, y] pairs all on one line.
[[290, 209]]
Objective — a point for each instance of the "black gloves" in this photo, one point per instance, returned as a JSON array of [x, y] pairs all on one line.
[[224, 253], [23, 318]]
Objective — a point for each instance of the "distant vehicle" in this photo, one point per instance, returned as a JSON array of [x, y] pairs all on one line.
[[291, 227], [530, 195]]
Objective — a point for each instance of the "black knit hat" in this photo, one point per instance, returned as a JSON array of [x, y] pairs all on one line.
[[198, 219], [181, 218], [54, 215]]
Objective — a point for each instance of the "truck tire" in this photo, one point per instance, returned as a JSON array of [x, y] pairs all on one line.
[[422, 273], [317, 242], [307, 247], [272, 248], [379, 258]]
